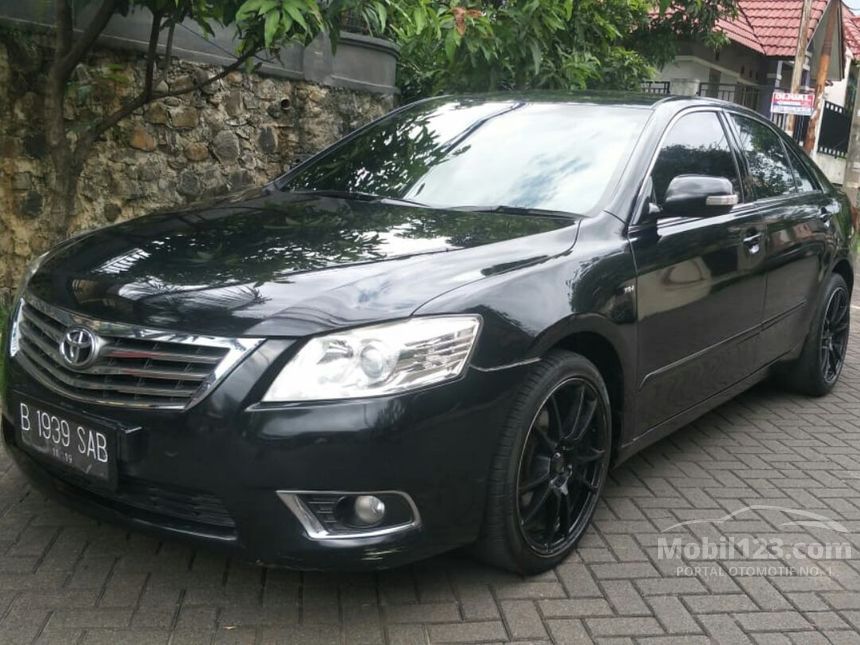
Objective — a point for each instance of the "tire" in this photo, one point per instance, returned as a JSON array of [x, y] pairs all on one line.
[[556, 470], [817, 369]]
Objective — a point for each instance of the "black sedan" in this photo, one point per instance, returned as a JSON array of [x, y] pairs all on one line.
[[441, 331]]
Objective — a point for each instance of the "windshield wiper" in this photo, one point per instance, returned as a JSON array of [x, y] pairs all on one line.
[[514, 210], [359, 196], [472, 128]]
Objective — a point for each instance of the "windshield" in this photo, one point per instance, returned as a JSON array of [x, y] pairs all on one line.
[[468, 153]]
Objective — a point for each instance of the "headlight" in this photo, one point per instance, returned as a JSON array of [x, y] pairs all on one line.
[[377, 360], [14, 328], [16, 306], [28, 273]]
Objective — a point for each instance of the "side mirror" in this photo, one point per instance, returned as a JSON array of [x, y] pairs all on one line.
[[699, 196]]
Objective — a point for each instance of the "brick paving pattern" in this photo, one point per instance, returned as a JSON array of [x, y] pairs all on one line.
[[66, 579]]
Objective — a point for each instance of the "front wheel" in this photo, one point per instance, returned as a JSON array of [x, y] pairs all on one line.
[[823, 355], [550, 467]]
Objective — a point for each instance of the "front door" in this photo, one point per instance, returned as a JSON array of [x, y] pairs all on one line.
[[700, 285]]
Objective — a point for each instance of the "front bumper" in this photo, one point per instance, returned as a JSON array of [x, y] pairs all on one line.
[[210, 474]]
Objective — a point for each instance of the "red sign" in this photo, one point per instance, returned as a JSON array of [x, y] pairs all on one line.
[[788, 103]]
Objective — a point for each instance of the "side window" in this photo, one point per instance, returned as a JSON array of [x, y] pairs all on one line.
[[803, 176], [695, 145], [770, 173]]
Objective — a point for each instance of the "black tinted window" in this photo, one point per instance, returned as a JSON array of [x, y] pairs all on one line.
[[803, 176], [695, 145], [464, 152], [770, 172]]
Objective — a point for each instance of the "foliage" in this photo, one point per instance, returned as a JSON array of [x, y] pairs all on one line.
[[262, 26], [385, 160], [541, 44]]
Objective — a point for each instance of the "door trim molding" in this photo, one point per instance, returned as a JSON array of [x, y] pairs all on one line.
[[752, 331], [765, 324]]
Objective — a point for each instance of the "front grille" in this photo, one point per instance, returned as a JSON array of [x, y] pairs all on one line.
[[134, 367]]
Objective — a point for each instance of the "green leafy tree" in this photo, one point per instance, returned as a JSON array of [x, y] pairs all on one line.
[[262, 26], [543, 44]]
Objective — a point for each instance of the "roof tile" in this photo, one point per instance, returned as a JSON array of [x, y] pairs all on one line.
[[851, 30], [771, 27]]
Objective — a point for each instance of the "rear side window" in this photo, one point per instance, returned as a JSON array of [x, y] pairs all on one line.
[[770, 173], [696, 144], [803, 176]]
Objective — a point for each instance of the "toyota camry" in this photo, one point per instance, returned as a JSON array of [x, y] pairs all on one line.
[[441, 331]]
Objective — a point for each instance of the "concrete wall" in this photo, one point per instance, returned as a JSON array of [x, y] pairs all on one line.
[[361, 63], [695, 62], [833, 167]]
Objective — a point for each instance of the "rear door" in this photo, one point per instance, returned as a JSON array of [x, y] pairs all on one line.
[[796, 213], [700, 284]]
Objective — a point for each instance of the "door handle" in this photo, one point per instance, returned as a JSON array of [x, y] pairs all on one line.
[[752, 241]]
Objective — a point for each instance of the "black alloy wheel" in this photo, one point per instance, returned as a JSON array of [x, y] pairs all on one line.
[[550, 467], [834, 334], [559, 469]]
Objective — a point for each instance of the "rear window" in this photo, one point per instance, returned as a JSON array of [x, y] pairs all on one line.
[[770, 173]]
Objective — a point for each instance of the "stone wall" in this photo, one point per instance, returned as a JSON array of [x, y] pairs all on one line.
[[239, 132]]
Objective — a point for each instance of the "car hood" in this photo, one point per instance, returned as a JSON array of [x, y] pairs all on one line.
[[284, 264]]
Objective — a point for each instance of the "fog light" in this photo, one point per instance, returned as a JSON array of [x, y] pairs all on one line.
[[331, 515], [369, 509]]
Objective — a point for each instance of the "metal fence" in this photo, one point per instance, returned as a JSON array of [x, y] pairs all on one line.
[[833, 135], [835, 130], [655, 87], [746, 95], [801, 125]]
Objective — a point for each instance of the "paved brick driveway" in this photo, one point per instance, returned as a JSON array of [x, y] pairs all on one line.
[[63, 578]]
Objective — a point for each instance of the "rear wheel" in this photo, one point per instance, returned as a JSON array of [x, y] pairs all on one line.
[[823, 355], [551, 466]]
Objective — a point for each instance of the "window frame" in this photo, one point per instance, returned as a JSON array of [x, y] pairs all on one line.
[[795, 161], [742, 154], [646, 180]]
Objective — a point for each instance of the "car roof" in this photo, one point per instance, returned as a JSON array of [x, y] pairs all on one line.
[[607, 97], [601, 97]]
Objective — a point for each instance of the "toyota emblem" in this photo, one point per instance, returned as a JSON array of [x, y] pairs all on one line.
[[79, 348]]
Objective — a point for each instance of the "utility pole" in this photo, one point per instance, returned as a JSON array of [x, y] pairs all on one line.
[[799, 58], [821, 76]]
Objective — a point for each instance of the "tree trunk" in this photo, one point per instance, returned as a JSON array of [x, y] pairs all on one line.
[[67, 168], [61, 204]]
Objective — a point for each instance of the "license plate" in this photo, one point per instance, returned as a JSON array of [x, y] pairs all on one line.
[[67, 441]]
